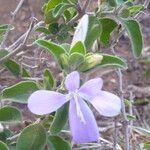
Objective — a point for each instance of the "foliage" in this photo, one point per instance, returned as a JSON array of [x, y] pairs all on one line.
[[61, 18]]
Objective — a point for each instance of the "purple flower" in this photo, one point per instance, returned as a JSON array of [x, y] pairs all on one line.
[[82, 122]]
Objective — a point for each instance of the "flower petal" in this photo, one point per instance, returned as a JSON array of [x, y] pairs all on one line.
[[72, 81], [82, 131], [107, 104], [44, 102], [91, 88], [81, 30]]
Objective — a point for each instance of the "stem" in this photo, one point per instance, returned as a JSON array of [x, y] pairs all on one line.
[[125, 124], [21, 46], [11, 22]]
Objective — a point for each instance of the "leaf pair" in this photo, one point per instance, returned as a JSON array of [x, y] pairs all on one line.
[[34, 137]]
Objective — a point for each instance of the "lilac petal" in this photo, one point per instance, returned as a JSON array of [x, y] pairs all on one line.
[[107, 104], [82, 131], [81, 30], [72, 81], [91, 88], [44, 102]]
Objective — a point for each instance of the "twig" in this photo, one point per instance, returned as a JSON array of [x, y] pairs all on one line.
[[81, 11], [115, 133], [19, 40], [86, 5], [125, 124], [13, 14], [21, 46]]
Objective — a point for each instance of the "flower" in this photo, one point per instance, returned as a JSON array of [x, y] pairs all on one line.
[[81, 119]]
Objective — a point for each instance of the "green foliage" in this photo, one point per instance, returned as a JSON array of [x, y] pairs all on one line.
[[3, 29], [43, 30], [3, 146], [53, 28], [9, 114], [75, 60], [78, 47], [32, 137], [135, 9], [52, 48], [57, 143], [135, 35], [48, 79], [60, 119], [131, 117], [61, 18], [91, 61], [54, 8], [108, 25], [146, 146], [19, 92], [6, 133], [16, 69], [60, 8], [3, 53], [110, 60], [93, 32]]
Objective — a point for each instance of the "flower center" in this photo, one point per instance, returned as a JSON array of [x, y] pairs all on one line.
[[76, 97]]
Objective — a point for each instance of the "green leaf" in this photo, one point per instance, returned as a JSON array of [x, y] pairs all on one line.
[[59, 9], [48, 17], [78, 47], [4, 27], [60, 119], [91, 61], [9, 114], [75, 60], [3, 146], [135, 9], [125, 13], [64, 61], [3, 53], [53, 28], [141, 102], [112, 61], [131, 117], [135, 35], [43, 30], [19, 92], [15, 68], [66, 46], [108, 25], [146, 146], [52, 4], [5, 134], [51, 47], [112, 3], [73, 1], [57, 143], [93, 32], [48, 79], [32, 137]]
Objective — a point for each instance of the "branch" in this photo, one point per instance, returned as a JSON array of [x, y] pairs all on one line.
[[81, 11], [125, 123], [21, 38], [13, 14], [22, 45]]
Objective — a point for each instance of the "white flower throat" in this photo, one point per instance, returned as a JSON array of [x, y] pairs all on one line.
[[76, 97]]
